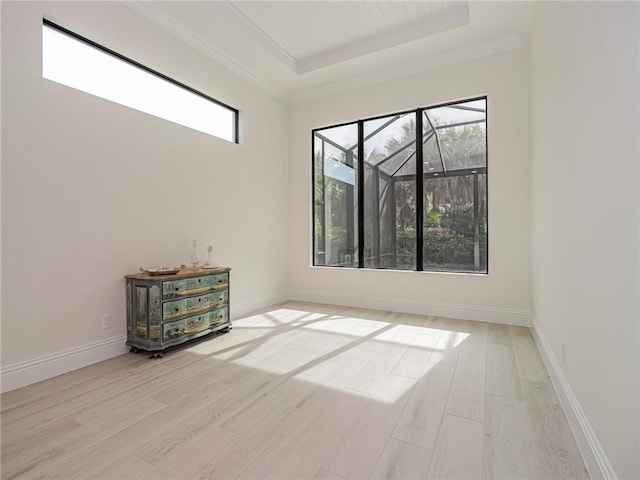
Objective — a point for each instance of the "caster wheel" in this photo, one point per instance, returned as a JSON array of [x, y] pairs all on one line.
[[134, 350], [157, 355]]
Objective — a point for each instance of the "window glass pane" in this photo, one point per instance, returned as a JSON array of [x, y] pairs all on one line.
[[335, 196], [430, 148], [77, 64], [458, 113], [455, 223], [462, 132], [389, 192]]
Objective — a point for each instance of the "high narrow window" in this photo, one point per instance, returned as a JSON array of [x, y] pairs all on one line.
[[77, 62], [423, 187]]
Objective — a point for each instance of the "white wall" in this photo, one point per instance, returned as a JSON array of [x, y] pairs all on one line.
[[502, 295], [92, 190], [585, 82]]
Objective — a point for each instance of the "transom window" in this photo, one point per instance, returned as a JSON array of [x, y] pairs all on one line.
[[406, 191], [79, 63]]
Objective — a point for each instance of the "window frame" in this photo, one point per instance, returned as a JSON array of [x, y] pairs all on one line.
[[119, 56], [419, 174]]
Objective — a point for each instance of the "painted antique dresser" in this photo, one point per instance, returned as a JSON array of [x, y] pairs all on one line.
[[167, 310]]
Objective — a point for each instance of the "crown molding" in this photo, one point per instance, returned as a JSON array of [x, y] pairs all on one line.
[[509, 42], [176, 28], [260, 35]]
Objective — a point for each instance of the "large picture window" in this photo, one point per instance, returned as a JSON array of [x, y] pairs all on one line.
[[406, 191]]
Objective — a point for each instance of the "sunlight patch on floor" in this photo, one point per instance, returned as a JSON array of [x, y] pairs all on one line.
[[322, 348]]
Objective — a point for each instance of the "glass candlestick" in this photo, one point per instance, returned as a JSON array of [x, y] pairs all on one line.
[[194, 256], [209, 262]]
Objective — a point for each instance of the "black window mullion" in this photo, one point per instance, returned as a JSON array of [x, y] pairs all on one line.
[[476, 223], [324, 207], [360, 183], [419, 192]]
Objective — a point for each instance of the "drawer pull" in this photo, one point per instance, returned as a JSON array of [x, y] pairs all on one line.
[[194, 291]]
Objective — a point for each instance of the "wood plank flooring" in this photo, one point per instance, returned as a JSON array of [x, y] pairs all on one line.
[[302, 391]]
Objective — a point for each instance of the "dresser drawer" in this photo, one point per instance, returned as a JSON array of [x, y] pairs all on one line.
[[194, 324], [210, 300], [188, 286], [197, 285], [189, 306], [173, 288], [219, 281], [192, 286], [174, 309], [219, 298], [200, 303]]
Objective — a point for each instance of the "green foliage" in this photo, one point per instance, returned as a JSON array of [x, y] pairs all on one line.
[[319, 228], [406, 248], [465, 145], [408, 233], [443, 249], [442, 246], [459, 219], [433, 220], [337, 235], [449, 250], [408, 135]]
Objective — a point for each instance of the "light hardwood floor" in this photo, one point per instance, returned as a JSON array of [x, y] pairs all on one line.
[[302, 391]]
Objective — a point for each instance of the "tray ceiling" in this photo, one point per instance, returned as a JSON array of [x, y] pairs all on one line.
[[304, 49], [330, 32]]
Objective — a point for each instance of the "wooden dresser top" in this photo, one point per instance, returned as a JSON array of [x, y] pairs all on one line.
[[184, 273]]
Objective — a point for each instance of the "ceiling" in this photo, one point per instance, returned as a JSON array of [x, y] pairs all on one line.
[[298, 50]]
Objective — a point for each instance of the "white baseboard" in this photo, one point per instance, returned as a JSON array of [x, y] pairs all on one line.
[[481, 314], [594, 456], [32, 371], [242, 309]]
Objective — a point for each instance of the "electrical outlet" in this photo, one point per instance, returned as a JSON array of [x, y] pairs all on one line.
[[106, 321], [564, 354]]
